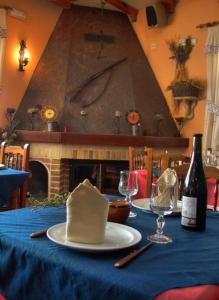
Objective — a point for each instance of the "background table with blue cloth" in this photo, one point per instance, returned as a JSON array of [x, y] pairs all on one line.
[[10, 180], [40, 269]]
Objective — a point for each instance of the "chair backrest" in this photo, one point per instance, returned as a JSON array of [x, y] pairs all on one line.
[[154, 162], [212, 180], [172, 160], [138, 158], [210, 172], [15, 157]]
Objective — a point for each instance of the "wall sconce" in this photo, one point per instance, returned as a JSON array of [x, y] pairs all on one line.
[[23, 56]]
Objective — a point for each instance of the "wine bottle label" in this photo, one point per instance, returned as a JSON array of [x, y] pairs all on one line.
[[189, 207]]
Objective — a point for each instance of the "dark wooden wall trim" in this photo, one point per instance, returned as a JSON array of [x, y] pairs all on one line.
[[100, 139]]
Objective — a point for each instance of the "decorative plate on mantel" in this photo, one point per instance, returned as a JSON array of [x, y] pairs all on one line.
[[48, 113], [133, 117]]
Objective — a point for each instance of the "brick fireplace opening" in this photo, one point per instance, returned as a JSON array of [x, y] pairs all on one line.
[[104, 174], [38, 183], [63, 176]]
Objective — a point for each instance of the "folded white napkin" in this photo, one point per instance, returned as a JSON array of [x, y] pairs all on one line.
[[87, 212], [167, 180]]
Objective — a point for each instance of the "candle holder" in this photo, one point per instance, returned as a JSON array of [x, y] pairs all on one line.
[[117, 117], [136, 129], [33, 112], [157, 121], [180, 123], [84, 121]]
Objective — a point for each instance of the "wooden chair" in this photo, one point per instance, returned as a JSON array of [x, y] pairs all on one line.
[[16, 157], [210, 172], [172, 160], [145, 159], [154, 163]]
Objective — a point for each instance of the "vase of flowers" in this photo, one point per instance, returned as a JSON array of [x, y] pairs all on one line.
[[181, 51], [8, 133]]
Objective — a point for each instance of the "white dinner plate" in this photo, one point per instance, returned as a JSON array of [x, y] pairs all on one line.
[[118, 236], [144, 204]]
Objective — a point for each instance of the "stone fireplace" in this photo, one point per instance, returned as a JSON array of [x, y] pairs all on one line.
[[83, 71], [54, 163], [53, 156]]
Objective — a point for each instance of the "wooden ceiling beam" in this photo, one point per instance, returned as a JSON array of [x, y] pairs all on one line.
[[169, 5], [126, 8], [63, 3]]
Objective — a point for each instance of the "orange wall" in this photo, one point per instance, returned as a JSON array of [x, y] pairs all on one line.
[[36, 30], [188, 14], [42, 17]]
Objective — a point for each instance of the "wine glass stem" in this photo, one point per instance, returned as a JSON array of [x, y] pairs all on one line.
[[128, 198], [160, 224]]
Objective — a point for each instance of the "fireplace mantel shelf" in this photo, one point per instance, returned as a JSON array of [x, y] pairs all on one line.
[[71, 138], [57, 151]]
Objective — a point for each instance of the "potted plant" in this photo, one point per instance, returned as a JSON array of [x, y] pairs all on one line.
[[8, 133], [181, 50], [182, 87], [189, 89]]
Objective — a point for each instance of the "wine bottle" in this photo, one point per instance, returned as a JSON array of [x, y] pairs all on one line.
[[194, 199]]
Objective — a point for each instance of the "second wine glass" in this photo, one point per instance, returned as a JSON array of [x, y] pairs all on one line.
[[161, 204], [128, 186]]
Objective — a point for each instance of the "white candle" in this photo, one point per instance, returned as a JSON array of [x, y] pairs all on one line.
[[83, 113], [117, 113]]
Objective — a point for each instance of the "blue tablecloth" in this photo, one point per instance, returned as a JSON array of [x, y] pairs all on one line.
[[40, 269], [10, 180]]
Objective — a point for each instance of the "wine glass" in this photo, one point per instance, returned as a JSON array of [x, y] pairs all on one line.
[[128, 186], [162, 204]]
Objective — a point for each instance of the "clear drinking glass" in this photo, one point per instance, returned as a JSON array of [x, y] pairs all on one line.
[[128, 186], [161, 205]]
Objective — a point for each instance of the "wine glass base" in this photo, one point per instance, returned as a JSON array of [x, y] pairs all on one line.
[[132, 214], [159, 238]]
